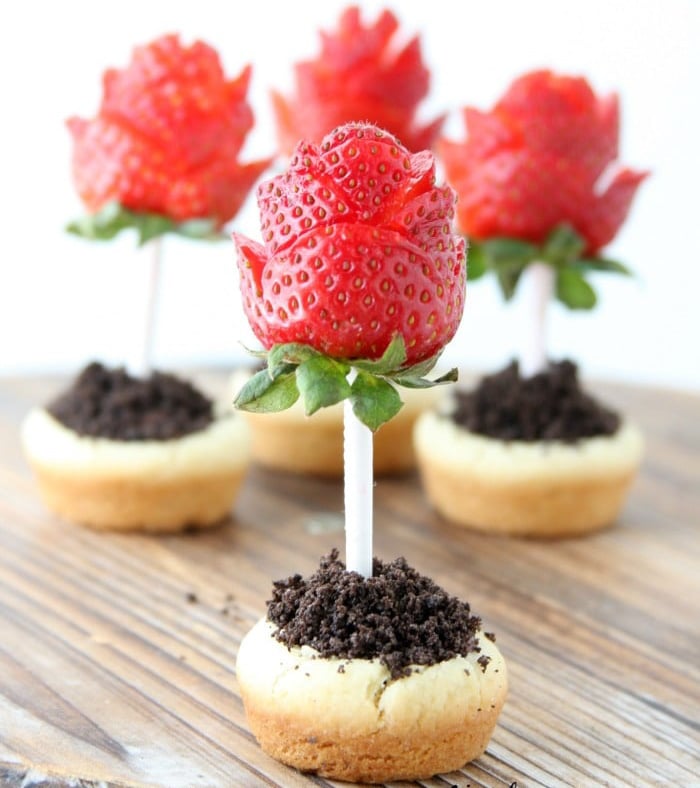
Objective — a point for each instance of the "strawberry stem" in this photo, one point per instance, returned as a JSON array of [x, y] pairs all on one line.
[[357, 457], [537, 291]]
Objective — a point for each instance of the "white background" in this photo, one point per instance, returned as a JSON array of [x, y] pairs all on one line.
[[64, 301]]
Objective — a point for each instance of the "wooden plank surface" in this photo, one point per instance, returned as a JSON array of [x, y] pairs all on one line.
[[111, 672]]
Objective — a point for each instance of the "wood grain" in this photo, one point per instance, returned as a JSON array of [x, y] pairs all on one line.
[[111, 673]]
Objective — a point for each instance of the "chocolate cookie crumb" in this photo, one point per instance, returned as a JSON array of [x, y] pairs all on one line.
[[483, 662], [397, 616], [110, 403], [490, 636], [548, 406], [191, 597]]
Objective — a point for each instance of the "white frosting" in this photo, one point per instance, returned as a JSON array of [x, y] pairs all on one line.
[[220, 448], [519, 461], [363, 696]]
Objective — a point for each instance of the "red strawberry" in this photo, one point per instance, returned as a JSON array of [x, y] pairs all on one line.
[[167, 137], [535, 162], [562, 116], [358, 246], [359, 75]]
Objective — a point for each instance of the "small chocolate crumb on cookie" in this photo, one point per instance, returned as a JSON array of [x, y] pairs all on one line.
[[548, 406], [484, 662], [110, 403], [398, 616]]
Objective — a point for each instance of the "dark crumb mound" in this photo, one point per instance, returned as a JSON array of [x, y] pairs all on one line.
[[546, 407], [109, 403], [397, 615]]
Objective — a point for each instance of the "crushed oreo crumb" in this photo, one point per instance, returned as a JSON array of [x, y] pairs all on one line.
[[490, 636], [110, 403], [191, 597], [483, 662], [548, 406], [397, 616]]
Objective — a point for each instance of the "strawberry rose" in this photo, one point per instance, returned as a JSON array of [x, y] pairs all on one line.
[[359, 75], [358, 248], [167, 137], [541, 158]]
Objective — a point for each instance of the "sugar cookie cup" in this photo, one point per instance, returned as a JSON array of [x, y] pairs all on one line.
[[346, 719], [541, 488], [144, 485]]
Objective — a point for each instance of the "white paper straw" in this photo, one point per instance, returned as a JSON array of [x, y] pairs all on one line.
[[144, 360], [359, 479], [536, 290]]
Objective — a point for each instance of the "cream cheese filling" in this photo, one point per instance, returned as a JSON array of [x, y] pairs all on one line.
[[349, 697], [220, 448], [446, 443]]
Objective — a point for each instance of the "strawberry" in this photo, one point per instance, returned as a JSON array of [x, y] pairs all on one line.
[[535, 161], [167, 136], [358, 248], [531, 177], [359, 75]]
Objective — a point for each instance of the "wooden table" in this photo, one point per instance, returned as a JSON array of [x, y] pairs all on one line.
[[117, 652]]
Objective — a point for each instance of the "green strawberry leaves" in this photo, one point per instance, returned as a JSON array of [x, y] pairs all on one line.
[[507, 258], [263, 394], [109, 221], [413, 382], [374, 400], [298, 371], [573, 290], [322, 382], [603, 264]]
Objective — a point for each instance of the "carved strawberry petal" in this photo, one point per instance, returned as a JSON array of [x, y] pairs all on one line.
[[167, 136], [561, 115], [347, 289], [610, 209], [348, 280], [359, 75], [535, 161]]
